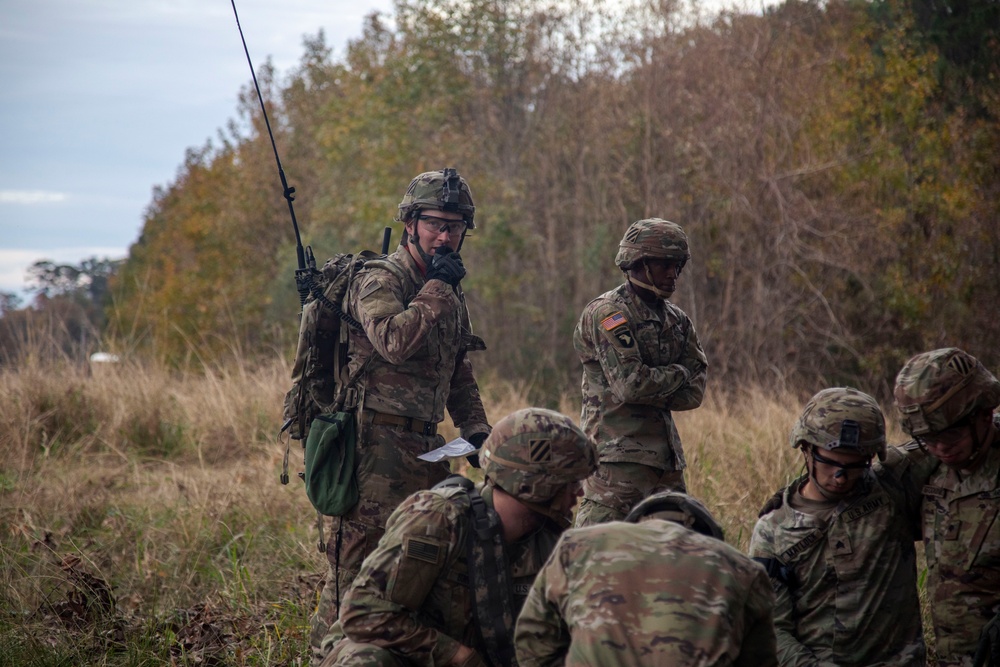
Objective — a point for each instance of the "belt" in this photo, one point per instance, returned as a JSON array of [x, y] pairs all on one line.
[[409, 423]]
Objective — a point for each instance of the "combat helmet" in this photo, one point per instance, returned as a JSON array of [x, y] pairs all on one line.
[[443, 189], [679, 508], [533, 453], [937, 389], [652, 238], [842, 418]]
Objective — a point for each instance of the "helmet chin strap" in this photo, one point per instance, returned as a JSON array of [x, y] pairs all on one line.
[[649, 286]]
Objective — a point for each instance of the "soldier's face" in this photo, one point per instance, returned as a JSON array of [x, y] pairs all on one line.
[[956, 445], [837, 471], [661, 273], [432, 230], [565, 501]]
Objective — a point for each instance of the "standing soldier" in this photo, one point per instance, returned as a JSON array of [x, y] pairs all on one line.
[[641, 360], [448, 579], [409, 365], [664, 591], [947, 400], [838, 543]]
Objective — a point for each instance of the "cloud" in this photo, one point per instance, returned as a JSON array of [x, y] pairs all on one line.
[[31, 197]]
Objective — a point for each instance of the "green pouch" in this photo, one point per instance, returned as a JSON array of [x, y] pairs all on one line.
[[331, 447]]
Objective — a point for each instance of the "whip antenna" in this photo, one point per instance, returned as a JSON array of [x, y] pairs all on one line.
[[300, 252]]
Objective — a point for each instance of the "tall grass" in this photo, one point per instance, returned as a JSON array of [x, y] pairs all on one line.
[[142, 521]]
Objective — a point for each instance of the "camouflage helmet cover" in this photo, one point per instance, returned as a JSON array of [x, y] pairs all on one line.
[[444, 189], [842, 418], [533, 453], [652, 238], [936, 389], [679, 508]]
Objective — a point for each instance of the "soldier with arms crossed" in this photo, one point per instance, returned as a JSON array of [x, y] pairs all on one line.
[[448, 579], [947, 400], [838, 543], [661, 590], [409, 365], [641, 360]]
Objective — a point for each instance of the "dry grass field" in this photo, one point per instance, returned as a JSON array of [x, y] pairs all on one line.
[[142, 521]]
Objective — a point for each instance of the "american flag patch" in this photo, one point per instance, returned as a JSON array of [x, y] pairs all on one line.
[[613, 321], [421, 550]]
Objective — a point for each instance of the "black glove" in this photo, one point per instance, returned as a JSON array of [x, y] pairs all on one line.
[[447, 266], [477, 441]]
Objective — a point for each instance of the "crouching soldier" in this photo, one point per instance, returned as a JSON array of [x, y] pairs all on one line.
[[661, 588], [446, 582]]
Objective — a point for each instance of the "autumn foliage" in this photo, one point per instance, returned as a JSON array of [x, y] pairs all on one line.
[[835, 165]]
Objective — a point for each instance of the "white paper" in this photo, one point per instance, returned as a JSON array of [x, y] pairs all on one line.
[[456, 449]]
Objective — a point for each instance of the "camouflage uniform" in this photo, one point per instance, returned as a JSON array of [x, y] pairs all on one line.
[[935, 391], [414, 601], [417, 606], [849, 594], [639, 364], [844, 569], [413, 364], [651, 594], [962, 546]]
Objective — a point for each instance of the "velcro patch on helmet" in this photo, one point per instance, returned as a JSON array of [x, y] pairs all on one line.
[[424, 550], [540, 450]]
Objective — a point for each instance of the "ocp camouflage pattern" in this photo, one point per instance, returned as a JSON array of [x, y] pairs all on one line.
[[415, 364], [645, 595], [638, 366], [849, 594], [413, 597], [962, 546]]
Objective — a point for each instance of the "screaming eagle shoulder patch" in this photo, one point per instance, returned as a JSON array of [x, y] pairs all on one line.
[[617, 327]]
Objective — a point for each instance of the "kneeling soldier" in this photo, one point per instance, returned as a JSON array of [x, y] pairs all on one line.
[[446, 582]]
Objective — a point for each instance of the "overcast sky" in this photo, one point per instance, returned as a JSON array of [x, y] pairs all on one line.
[[99, 99]]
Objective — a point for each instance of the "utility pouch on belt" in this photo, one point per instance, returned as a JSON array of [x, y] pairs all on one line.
[[331, 449]]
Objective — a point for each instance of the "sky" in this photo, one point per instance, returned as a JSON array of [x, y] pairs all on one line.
[[100, 99]]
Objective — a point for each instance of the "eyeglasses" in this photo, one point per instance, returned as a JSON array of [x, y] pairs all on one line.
[[860, 465], [435, 225], [952, 435]]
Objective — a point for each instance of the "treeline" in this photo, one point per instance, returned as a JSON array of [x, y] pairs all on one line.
[[836, 166]]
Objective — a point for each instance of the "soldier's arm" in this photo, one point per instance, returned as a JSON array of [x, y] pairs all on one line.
[[464, 402], [541, 638], [383, 604], [396, 329], [759, 648], [689, 396], [791, 652], [630, 379]]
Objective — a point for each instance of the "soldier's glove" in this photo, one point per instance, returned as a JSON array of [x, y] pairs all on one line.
[[447, 266], [477, 441]]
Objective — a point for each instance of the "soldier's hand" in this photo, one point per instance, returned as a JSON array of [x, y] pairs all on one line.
[[477, 440], [466, 657], [447, 266]]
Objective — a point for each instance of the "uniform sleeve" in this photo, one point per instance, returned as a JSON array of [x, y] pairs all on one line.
[[613, 345], [383, 604], [397, 330], [791, 652], [690, 395], [541, 637], [759, 647], [464, 402]]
